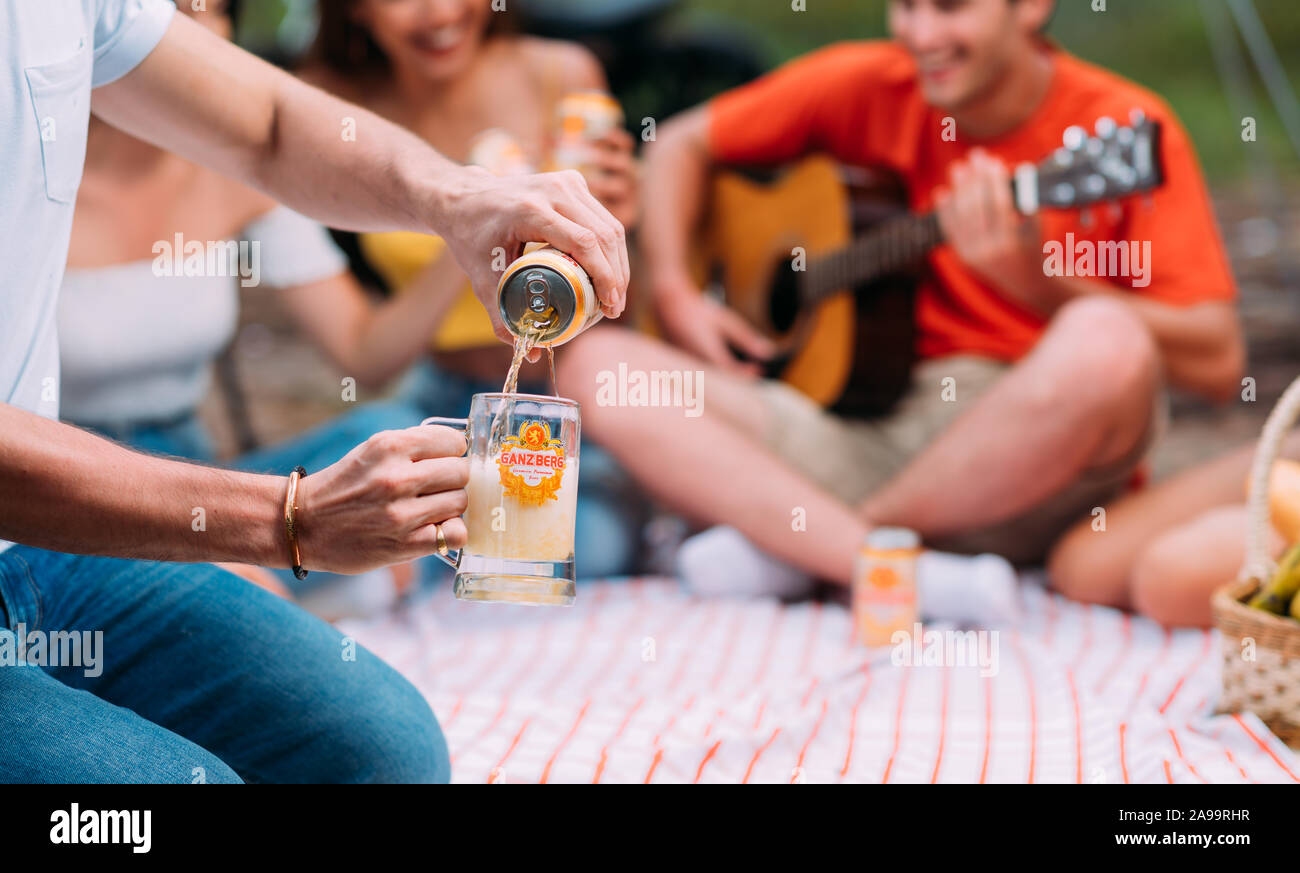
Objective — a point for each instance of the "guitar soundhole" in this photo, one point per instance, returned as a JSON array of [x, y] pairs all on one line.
[[783, 305]]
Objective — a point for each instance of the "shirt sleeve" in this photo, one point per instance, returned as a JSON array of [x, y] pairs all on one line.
[[1188, 263], [126, 31], [294, 250], [791, 111]]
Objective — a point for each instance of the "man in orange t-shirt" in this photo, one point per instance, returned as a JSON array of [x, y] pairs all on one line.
[[1057, 379]]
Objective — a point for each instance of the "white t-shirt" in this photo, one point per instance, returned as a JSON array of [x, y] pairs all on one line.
[[55, 51], [136, 340]]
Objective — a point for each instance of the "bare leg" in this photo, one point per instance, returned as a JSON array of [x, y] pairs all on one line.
[[1080, 400], [1100, 566], [1174, 577], [708, 467]]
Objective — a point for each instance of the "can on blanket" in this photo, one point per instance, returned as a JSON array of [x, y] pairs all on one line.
[[884, 585]]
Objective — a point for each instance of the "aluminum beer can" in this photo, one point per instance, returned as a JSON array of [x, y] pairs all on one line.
[[548, 288], [580, 118], [884, 585]]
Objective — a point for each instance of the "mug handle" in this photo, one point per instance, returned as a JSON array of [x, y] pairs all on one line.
[[452, 558]]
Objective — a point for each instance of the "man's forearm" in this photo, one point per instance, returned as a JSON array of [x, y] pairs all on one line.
[[67, 490], [326, 158]]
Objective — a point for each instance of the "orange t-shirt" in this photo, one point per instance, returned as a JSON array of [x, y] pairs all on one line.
[[861, 103]]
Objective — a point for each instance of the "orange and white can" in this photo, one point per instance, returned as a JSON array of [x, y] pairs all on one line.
[[580, 118], [547, 288], [884, 585]]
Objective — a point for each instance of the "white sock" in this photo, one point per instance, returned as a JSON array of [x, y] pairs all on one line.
[[978, 590], [720, 562]]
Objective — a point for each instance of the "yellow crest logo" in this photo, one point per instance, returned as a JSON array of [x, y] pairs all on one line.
[[531, 464]]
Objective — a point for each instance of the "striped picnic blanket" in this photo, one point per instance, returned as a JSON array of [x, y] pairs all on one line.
[[639, 682]]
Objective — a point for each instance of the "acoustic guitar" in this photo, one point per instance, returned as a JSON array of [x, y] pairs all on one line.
[[836, 292]]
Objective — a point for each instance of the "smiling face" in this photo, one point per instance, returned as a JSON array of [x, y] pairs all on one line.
[[427, 39], [964, 48]]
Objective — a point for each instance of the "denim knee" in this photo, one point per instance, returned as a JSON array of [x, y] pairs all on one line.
[[390, 735]]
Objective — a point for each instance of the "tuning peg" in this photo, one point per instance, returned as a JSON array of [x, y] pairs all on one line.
[[1106, 127], [1125, 136], [1094, 185], [1062, 193], [1074, 137], [1136, 117]]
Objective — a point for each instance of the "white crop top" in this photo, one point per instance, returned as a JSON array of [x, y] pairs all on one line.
[[136, 344]]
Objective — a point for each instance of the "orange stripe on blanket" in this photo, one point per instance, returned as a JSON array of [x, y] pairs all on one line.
[[754, 760], [1263, 745]]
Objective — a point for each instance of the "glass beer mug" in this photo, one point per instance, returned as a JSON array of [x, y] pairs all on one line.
[[523, 499]]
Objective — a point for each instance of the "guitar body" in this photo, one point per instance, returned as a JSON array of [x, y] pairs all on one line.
[[852, 350]]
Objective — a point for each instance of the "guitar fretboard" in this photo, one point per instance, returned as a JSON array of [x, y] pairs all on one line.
[[894, 245]]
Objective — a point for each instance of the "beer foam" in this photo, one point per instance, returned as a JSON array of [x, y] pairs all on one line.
[[501, 526]]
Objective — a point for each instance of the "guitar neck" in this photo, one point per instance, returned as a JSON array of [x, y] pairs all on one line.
[[894, 245]]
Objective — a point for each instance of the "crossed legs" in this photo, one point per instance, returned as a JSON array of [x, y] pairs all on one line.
[[1079, 401]]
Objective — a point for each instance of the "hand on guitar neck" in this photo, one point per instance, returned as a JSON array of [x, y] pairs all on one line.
[[980, 222]]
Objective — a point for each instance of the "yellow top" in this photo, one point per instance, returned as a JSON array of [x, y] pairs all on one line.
[[399, 257]]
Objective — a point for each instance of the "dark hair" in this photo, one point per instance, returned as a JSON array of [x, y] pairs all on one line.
[[344, 47]]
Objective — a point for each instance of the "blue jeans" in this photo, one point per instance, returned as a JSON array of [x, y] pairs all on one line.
[[201, 676], [607, 536]]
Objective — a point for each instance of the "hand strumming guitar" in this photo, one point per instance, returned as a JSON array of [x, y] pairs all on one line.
[[710, 330]]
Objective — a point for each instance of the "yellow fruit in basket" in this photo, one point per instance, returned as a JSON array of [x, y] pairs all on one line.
[[1295, 607], [1284, 499], [1281, 589]]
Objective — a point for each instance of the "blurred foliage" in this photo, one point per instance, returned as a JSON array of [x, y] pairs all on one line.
[[1161, 44]]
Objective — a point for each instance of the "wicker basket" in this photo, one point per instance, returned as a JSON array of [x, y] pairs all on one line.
[[1269, 685]]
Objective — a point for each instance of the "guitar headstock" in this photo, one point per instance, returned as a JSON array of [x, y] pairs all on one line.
[[1114, 162]]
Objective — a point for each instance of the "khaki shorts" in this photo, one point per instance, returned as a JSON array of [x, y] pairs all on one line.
[[853, 459]]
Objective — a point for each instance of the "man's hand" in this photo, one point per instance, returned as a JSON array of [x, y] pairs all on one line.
[[378, 505], [482, 214], [986, 232], [711, 331]]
